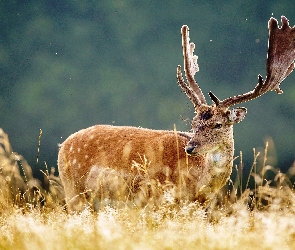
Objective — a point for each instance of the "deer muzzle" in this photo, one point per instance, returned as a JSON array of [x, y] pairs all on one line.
[[190, 150]]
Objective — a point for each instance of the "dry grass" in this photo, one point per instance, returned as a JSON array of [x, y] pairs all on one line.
[[33, 216]]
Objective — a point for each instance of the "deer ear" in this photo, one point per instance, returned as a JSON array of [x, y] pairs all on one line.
[[237, 115]]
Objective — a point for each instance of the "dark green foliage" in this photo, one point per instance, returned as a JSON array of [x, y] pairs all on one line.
[[67, 65]]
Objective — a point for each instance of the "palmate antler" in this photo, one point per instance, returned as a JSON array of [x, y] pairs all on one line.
[[279, 64]]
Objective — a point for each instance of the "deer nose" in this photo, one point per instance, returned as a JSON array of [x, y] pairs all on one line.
[[189, 149]]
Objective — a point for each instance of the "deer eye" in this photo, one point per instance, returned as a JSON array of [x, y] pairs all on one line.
[[218, 125]]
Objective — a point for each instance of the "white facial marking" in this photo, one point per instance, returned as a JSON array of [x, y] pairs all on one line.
[[218, 161], [216, 157]]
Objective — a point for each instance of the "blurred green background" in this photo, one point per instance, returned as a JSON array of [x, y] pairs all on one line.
[[67, 65]]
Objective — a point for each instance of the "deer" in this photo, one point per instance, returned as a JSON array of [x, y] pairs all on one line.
[[106, 157]]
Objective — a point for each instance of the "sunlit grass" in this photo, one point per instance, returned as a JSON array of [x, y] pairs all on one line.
[[33, 216]]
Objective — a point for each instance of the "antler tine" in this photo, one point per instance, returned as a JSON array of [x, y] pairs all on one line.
[[244, 97], [191, 65], [279, 64], [186, 89]]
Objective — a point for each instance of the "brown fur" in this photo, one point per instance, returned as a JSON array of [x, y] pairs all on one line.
[[118, 148]]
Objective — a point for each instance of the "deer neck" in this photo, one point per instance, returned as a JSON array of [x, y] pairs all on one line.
[[217, 171], [221, 157]]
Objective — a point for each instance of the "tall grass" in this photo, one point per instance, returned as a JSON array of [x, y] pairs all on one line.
[[244, 215], [19, 188]]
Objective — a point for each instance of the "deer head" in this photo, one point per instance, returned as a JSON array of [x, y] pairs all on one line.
[[213, 123]]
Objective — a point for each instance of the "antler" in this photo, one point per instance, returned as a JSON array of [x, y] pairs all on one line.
[[279, 64], [191, 67]]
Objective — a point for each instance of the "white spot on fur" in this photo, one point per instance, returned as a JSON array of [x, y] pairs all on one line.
[[86, 157], [126, 150], [71, 148], [79, 149], [74, 161], [161, 147]]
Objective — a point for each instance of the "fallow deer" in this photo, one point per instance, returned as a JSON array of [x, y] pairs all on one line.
[[204, 155]]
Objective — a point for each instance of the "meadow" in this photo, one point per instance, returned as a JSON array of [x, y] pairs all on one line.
[[33, 213]]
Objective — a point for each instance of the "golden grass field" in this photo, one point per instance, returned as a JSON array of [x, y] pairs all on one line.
[[34, 216]]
